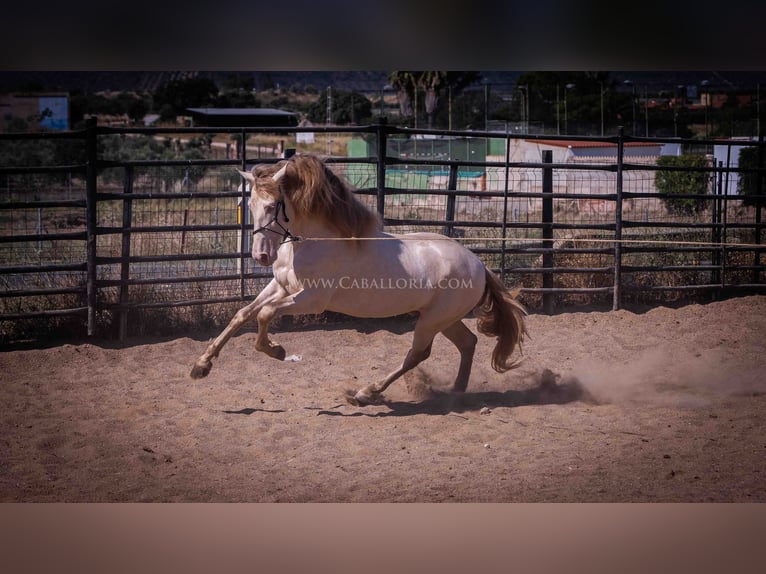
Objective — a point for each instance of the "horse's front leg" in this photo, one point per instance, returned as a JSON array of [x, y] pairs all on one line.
[[303, 302], [262, 341], [204, 363]]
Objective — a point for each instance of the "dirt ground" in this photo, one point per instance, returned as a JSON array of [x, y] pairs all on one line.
[[667, 405]]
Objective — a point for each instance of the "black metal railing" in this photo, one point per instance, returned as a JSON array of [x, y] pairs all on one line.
[[126, 240]]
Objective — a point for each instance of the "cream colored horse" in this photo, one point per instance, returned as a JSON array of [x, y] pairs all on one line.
[[328, 253]]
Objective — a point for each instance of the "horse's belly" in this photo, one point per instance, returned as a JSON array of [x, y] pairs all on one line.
[[387, 297], [378, 302]]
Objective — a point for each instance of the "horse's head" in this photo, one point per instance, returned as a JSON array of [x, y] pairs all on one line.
[[267, 211], [304, 188]]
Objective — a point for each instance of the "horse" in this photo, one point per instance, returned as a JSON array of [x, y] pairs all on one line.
[[328, 252]]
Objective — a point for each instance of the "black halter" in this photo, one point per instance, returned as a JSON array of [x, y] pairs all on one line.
[[285, 233]]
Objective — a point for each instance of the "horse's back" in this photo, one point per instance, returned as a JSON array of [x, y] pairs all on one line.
[[446, 255]]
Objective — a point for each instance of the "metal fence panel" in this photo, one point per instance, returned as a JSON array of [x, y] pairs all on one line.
[[128, 242]]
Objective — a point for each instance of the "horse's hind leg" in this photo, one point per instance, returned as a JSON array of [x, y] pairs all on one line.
[[465, 341], [371, 393], [419, 352]]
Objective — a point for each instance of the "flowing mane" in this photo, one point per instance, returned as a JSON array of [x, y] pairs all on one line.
[[315, 191]]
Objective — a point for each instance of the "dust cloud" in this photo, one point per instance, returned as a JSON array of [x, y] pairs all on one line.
[[662, 377]]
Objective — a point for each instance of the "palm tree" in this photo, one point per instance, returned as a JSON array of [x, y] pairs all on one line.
[[404, 83], [430, 82], [407, 84]]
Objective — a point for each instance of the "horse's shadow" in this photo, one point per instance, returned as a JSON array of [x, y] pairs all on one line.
[[436, 402], [249, 411], [547, 392]]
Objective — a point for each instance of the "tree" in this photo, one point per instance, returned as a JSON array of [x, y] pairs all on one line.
[[347, 108], [430, 82], [238, 92], [404, 83], [547, 92], [408, 83], [467, 110], [136, 106], [236, 82], [33, 153], [174, 97], [237, 99], [126, 147], [682, 183], [747, 184]]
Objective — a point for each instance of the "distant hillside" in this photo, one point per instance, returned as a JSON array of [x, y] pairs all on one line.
[[150, 81], [358, 81]]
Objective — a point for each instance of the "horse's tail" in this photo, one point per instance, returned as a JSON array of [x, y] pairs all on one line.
[[499, 314]]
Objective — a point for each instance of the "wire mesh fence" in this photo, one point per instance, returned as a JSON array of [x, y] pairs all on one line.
[[171, 236]]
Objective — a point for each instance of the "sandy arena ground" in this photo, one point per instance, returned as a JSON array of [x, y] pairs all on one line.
[[668, 405]]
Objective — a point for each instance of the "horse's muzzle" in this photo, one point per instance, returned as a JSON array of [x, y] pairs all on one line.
[[263, 259]]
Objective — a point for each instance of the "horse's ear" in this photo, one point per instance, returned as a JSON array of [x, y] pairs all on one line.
[[280, 174], [247, 176]]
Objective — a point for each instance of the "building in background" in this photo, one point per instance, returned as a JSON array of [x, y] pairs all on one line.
[[44, 111], [242, 117]]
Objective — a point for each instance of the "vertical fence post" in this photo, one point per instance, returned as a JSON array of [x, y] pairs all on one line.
[[617, 292], [547, 232], [449, 215], [127, 219], [382, 134], [504, 233], [758, 207], [715, 235], [91, 174], [243, 244], [723, 211]]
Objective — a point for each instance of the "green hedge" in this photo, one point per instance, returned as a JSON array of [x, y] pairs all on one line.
[[683, 183]]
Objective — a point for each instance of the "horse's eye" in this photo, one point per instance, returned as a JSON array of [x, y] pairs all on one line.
[[270, 208]]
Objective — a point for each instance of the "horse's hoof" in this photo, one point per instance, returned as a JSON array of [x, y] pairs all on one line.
[[200, 371], [274, 351], [362, 398]]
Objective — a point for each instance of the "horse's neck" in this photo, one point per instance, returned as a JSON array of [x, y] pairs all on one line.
[[303, 227]]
